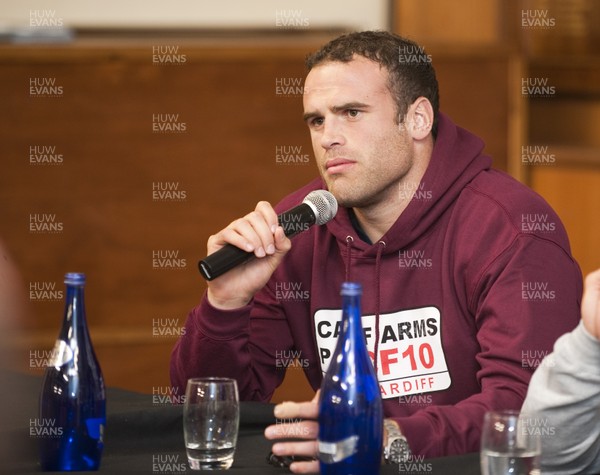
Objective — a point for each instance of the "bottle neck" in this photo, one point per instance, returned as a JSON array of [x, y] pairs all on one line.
[[74, 318], [351, 314]]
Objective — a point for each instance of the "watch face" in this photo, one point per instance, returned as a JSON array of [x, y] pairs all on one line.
[[399, 450]]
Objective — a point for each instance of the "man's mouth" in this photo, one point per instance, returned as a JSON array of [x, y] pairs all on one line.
[[338, 165]]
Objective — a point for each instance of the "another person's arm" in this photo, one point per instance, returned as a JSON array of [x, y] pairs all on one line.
[[564, 393]]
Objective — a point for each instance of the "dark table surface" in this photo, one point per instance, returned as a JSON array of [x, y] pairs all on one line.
[[143, 436]]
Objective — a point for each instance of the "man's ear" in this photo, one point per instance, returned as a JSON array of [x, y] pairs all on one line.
[[419, 118]]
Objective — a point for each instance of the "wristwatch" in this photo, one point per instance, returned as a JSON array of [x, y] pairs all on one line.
[[396, 448]]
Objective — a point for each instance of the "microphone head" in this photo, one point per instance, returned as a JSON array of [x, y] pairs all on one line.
[[323, 203]]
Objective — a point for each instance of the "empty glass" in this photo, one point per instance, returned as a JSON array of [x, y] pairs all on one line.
[[211, 415]]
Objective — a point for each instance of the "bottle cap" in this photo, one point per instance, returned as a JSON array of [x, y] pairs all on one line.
[[351, 288], [74, 278]]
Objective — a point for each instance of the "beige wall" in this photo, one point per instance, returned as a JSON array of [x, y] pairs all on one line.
[[270, 14]]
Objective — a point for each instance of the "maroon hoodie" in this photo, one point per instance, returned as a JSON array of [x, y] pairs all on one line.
[[462, 298]]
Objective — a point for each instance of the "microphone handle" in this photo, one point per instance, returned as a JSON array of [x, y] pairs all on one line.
[[223, 260], [293, 221]]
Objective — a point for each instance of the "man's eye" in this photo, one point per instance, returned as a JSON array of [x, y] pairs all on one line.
[[353, 113], [316, 122]]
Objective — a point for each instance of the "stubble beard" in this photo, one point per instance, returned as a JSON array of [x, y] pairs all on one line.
[[366, 195], [366, 189]]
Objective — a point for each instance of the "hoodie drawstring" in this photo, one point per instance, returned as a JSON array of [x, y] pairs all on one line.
[[380, 248], [349, 241]]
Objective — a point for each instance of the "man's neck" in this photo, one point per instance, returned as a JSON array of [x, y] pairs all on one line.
[[376, 219]]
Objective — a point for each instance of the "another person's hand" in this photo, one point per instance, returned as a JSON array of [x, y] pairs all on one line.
[[258, 232], [291, 427], [590, 304]]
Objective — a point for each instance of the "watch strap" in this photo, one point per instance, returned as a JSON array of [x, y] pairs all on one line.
[[396, 449]]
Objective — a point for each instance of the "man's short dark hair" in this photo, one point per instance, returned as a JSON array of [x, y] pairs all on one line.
[[411, 74]]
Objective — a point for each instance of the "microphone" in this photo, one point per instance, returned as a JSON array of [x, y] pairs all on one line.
[[319, 207]]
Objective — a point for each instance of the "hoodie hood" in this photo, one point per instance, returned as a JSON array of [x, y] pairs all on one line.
[[440, 186], [439, 189]]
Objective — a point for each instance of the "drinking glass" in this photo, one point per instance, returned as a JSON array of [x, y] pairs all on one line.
[[509, 444], [211, 415]]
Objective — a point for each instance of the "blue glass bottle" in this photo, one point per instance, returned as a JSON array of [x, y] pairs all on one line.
[[72, 400], [350, 407]]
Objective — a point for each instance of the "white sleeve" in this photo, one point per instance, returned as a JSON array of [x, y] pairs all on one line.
[[564, 400]]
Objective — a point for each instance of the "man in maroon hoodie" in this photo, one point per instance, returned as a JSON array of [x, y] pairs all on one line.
[[465, 271]]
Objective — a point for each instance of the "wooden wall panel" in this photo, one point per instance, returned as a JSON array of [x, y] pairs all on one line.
[[573, 190], [475, 49], [479, 90], [565, 128], [231, 120], [464, 23]]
